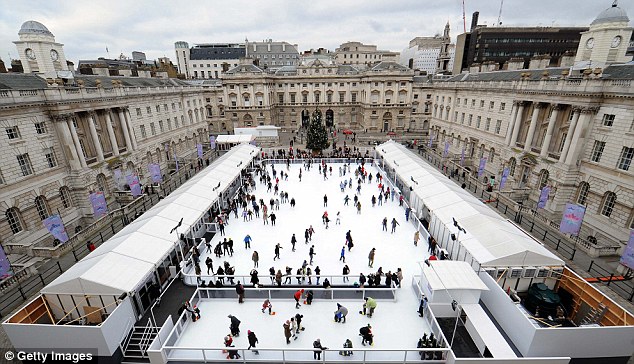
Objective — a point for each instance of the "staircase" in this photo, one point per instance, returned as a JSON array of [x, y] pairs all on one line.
[[137, 343], [595, 315]]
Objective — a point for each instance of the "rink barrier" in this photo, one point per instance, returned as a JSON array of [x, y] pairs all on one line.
[[428, 315]]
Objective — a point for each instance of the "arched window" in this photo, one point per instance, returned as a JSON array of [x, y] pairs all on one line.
[[41, 205], [102, 184], [158, 155], [64, 194], [491, 155], [582, 193], [14, 219], [609, 200], [149, 157], [543, 179], [512, 165], [481, 153]]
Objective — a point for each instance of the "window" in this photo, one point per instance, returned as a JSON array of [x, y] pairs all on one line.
[[280, 98], [462, 119], [491, 105], [498, 126], [512, 164], [138, 111], [329, 97], [1, 179], [40, 128], [41, 205], [481, 103], [304, 98], [472, 102], [342, 96], [470, 120], [148, 110], [415, 96], [487, 124], [49, 155], [353, 96], [25, 164], [292, 98], [152, 129], [14, 219], [543, 179], [597, 151], [165, 107], [169, 123], [161, 126], [143, 133], [173, 106], [608, 120], [582, 193], [609, 200], [102, 184], [317, 95], [491, 155], [478, 119], [562, 141], [625, 160], [13, 133], [502, 106]]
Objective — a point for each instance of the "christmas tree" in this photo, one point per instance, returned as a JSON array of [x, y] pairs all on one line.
[[316, 136]]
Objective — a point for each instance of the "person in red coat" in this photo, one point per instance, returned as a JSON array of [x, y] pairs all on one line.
[[298, 296]]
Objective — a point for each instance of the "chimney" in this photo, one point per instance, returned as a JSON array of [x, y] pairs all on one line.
[[283, 47], [268, 46], [474, 20]]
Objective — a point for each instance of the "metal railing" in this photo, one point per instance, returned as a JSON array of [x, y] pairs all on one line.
[[625, 288]]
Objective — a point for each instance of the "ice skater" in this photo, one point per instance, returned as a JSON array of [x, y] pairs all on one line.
[[247, 242], [341, 313], [371, 257], [366, 333], [343, 254], [267, 305], [297, 296], [368, 307], [311, 253], [318, 349], [293, 241], [253, 340], [277, 251], [384, 223], [234, 326], [394, 223]]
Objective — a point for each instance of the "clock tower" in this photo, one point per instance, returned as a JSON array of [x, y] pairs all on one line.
[[606, 41], [39, 52]]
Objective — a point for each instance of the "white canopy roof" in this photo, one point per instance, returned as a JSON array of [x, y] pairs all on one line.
[[125, 260], [452, 275], [490, 239], [242, 138]]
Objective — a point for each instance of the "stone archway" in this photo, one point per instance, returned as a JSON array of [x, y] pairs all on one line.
[[387, 122]]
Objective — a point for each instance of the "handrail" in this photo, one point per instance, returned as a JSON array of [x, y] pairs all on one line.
[[144, 343], [127, 336]]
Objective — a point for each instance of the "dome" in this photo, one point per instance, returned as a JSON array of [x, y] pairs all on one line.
[[613, 14], [34, 27]]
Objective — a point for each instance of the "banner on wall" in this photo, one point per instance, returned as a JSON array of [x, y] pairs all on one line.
[[119, 179], [505, 176], [627, 259], [212, 142], [483, 163], [543, 197], [5, 266], [462, 157], [572, 219], [98, 203], [445, 152], [155, 172], [199, 150], [431, 139], [133, 182], [55, 226], [176, 160]]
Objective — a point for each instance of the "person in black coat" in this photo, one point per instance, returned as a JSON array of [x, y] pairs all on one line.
[[234, 326], [366, 333], [253, 340], [240, 292]]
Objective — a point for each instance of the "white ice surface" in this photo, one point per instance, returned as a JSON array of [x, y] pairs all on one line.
[[395, 324]]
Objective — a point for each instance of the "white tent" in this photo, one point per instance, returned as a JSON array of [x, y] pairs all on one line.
[[235, 139]]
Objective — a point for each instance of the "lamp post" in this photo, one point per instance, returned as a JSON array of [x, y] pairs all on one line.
[[455, 238], [178, 238]]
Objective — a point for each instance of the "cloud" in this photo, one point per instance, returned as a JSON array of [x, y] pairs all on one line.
[[86, 29]]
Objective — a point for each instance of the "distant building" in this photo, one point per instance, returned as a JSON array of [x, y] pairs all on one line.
[[323, 55], [138, 56], [207, 60], [3, 69], [122, 67], [39, 52], [500, 44], [357, 53], [270, 55], [430, 54]]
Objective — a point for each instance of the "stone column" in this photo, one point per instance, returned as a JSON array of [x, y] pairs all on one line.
[[576, 145], [128, 120], [79, 151], [531, 129], [509, 130], [68, 145], [94, 135], [571, 129], [124, 128], [549, 131], [517, 124], [113, 139]]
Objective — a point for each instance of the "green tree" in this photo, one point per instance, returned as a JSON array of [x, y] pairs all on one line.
[[316, 136]]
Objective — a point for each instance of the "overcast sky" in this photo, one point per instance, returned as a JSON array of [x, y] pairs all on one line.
[[86, 28]]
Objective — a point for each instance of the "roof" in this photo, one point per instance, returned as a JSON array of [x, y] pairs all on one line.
[[390, 66], [216, 53], [106, 81], [452, 275], [613, 14], [619, 72], [515, 75], [251, 68], [21, 81], [276, 47], [490, 239], [34, 27], [346, 69], [243, 138]]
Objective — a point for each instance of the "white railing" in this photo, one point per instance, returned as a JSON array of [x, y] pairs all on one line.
[[126, 336]]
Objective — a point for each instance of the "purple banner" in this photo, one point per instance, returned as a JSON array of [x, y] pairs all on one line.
[[252, 142], [627, 259], [212, 142], [119, 179], [445, 152], [99, 205], [199, 149], [505, 176], [462, 157], [155, 172], [5, 266], [572, 219], [55, 226], [543, 197], [135, 186], [483, 163], [431, 139], [176, 160]]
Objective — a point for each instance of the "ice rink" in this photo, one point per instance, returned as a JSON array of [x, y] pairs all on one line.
[[396, 324]]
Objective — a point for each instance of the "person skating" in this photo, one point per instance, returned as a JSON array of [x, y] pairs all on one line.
[[359, 207], [416, 237], [240, 292], [362, 280], [287, 331], [255, 279], [311, 253], [366, 333], [287, 275], [384, 223], [293, 241], [273, 218], [210, 265], [338, 220], [309, 297], [319, 348], [256, 258], [311, 231], [267, 305], [343, 254], [341, 313], [325, 201], [346, 200], [298, 320], [394, 223], [369, 306], [298, 296], [293, 328], [247, 242], [346, 272], [234, 326], [306, 236], [346, 345], [371, 257], [231, 353], [277, 251], [253, 340], [278, 278]]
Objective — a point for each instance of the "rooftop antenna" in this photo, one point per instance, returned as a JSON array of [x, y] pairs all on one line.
[[500, 13], [464, 18]]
